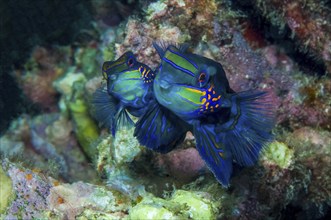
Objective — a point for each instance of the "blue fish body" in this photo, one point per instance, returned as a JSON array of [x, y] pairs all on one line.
[[130, 82], [130, 89], [184, 86], [228, 126]]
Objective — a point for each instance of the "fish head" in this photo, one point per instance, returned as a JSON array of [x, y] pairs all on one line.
[[126, 78], [185, 84]]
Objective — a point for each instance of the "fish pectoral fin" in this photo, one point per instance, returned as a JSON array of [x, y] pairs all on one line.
[[248, 129], [213, 152], [160, 130], [104, 108], [122, 120]]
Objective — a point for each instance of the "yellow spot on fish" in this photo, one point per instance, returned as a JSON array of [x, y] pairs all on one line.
[[209, 96], [204, 100]]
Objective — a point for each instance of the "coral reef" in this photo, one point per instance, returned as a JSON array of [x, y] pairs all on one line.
[[38, 196], [85, 59], [277, 154], [114, 156], [31, 191], [40, 71], [46, 142], [70, 200], [309, 22], [85, 128], [6, 191], [291, 180], [182, 164], [182, 205], [307, 104]]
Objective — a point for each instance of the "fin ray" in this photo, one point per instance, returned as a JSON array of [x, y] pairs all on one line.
[[213, 153], [162, 46], [122, 120], [249, 130], [104, 108], [158, 129]]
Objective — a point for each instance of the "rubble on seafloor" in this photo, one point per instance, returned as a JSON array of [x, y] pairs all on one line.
[[61, 165]]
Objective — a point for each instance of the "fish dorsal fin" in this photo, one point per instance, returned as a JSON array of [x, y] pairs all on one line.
[[162, 46], [213, 152], [104, 108], [184, 47], [159, 129]]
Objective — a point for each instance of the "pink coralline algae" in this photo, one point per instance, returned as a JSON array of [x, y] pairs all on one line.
[[312, 108], [40, 71], [31, 193], [47, 143], [308, 20], [182, 164]]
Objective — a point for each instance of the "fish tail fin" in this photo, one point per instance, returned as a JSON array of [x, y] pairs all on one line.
[[213, 152], [104, 108], [249, 127]]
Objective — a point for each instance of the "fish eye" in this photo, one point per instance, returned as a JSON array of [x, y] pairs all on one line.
[[203, 79], [130, 61]]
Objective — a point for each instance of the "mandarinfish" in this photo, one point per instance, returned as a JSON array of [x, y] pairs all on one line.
[[130, 89], [228, 126]]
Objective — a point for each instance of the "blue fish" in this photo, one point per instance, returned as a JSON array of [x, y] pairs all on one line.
[[228, 126], [130, 90]]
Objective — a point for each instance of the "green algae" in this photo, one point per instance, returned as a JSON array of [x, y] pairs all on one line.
[[6, 191], [113, 161], [150, 211], [181, 205], [86, 61], [86, 129], [198, 207], [279, 154], [64, 85]]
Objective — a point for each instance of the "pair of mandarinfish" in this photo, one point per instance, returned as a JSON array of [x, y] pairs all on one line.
[[186, 92]]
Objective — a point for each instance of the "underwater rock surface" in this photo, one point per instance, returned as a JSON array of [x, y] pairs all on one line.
[[60, 164]]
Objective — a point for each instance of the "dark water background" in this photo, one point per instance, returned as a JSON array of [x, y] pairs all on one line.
[[25, 24]]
